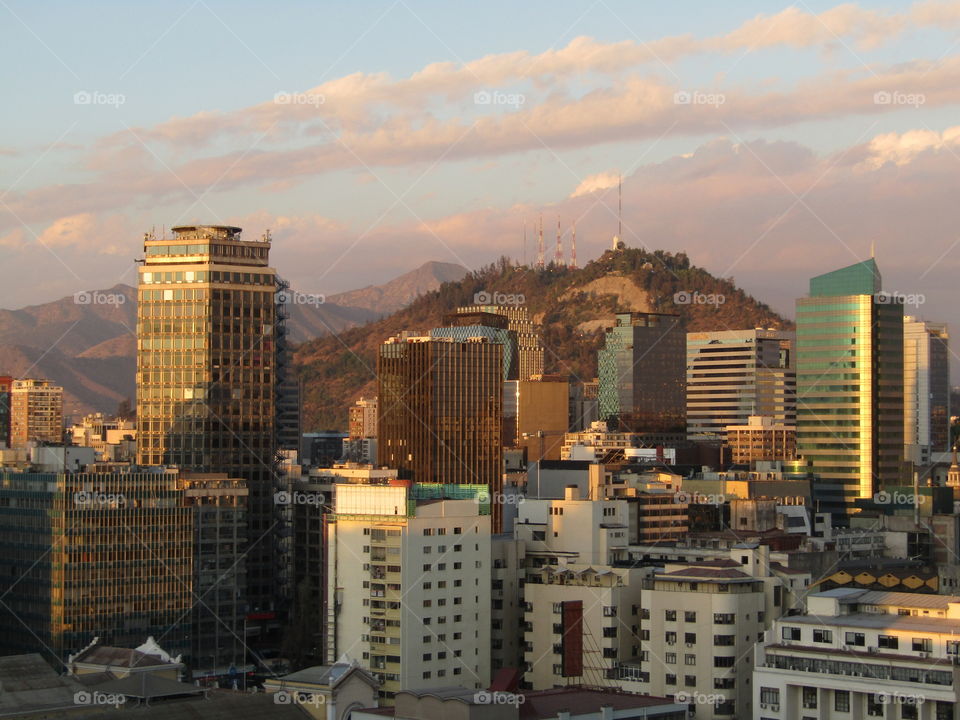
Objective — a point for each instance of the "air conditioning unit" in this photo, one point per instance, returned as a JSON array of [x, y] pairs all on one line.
[[775, 708], [763, 706], [689, 644]]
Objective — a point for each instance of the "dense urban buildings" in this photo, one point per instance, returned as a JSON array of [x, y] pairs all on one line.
[[733, 374], [36, 412], [641, 374], [850, 385], [206, 375], [926, 389]]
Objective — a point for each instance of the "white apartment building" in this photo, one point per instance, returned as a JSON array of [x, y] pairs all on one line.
[[698, 624], [409, 587], [862, 654]]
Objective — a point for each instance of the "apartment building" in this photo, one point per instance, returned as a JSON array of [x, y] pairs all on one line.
[[862, 654], [36, 412], [409, 586]]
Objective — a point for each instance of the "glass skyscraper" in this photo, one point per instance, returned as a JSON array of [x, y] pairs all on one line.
[[850, 385]]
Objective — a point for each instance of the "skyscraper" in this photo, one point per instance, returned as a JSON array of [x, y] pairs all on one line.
[[641, 373], [440, 410], [733, 374], [926, 389], [528, 337], [850, 385], [206, 374], [36, 412]]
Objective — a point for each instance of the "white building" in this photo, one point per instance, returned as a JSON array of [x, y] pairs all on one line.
[[926, 389], [409, 587], [861, 654]]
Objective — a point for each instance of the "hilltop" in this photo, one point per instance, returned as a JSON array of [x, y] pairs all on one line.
[[574, 306]]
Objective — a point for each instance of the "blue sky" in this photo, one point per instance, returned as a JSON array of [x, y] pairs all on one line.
[[797, 172]]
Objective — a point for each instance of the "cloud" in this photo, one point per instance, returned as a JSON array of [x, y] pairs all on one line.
[[903, 148], [594, 183]]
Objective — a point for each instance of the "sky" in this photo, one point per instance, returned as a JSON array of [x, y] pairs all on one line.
[[770, 142]]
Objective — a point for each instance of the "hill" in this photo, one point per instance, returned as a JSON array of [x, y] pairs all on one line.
[[574, 307], [400, 292]]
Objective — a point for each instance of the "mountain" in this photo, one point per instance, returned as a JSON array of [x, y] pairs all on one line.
[[87, 342], [574, 306], [400, 292]]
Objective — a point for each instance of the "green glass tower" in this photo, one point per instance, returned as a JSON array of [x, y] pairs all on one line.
[[850, 385]]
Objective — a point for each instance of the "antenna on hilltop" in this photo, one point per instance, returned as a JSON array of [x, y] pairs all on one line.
[[573, 247], [558, 257], [619, 205], [540, 245], [524, 251]]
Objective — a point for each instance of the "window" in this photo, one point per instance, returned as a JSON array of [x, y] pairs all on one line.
[[670, 658], [854, 638], [670, 679], [876, 705], [724, 640], [690, 680], [689, 659], [922, 645], [426, 675], [427, 657], [809, 698], [822, 636], [690, 638], [724, 618], [890, 642], [609, 611], [769, 696], [720, 661], [669, 615], [670, 637], [791, 633], [841, 700], [689, 616]]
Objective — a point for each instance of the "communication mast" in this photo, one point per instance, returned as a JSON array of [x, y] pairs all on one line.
[[573, 247], [558, 256], [540, 245]]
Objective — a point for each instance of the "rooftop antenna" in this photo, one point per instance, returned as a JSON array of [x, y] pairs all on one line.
[[573, 247], [873, 248], [524, 252], [558, 257], [617, 242], [540, 245]]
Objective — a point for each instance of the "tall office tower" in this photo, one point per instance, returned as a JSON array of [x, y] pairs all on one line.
[[36, 412], [850, 385], [529, 336], [409, 587], [733, 374], [87, 555], [463, 326], [926, 389], [206, 376], [641, 373], [6, 385], [363, 419]]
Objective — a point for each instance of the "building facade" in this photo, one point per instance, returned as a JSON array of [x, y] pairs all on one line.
[[528, 335], [926, 389], [36, 412], [641, 373], [733, 374], [761, 439], [850, 385]]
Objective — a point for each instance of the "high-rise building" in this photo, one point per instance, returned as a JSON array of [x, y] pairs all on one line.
[[36, 412], [926, 389], [409, 586], [733, 374], [528, 337], [440, 410], [641, 373], [108, 555], [850, 385], [207, 380], [363, 419], [6, 385]]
